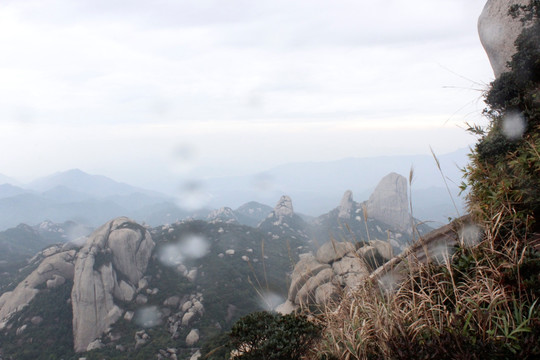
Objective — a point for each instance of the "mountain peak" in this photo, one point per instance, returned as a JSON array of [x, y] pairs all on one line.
[[346, 205], [284, 207], [389, 202]]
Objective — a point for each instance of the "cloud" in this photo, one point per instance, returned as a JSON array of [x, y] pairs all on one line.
[[91, 82]]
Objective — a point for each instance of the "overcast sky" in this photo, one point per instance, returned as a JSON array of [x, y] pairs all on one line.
[[138, 89]]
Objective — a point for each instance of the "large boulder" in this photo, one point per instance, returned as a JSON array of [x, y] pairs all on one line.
[[120, 248], [498, 31], [321, 279], [389, 203], [284, 207], [332, 251], [51, 271], [346, 205]]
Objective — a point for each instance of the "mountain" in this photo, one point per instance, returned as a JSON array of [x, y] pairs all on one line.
[[283, 224], [252, 213], [133, 292], [317, 186], [8, 190], [94, 185], [8, 180], [83, 198]]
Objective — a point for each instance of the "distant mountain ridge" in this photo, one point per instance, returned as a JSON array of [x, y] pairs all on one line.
[[94, 185], [317, 186]]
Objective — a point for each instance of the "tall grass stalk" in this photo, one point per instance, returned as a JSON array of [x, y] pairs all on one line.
[[459, 309]]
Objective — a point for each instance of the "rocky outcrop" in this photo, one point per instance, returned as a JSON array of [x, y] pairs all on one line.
[[282, 222], [252, 213], [222, 215], [389, 203], [284, 207], [346, 205], [108, 267], [53, 271], [498, 31], [322, 278]]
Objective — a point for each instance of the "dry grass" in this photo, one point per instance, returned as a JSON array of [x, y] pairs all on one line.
[[462, 308]]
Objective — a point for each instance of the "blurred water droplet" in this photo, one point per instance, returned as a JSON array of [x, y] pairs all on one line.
[[149, 316], [513, 125], [193, 196], [170, 255], [263, 182], [255, 100], [441, 253], [193, 246], [470, 235], [77, 233], [269, 300], [389, 282], [183, 159]]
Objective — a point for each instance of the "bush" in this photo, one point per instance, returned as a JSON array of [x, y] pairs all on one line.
[[265, 336]]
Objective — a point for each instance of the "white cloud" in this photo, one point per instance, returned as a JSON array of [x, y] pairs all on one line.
[[246, 83]]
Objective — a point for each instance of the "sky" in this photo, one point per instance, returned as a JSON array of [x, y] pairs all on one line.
[[144, 90]]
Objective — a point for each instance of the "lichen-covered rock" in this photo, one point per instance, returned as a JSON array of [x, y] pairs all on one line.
[[120, 247], [498, 31]]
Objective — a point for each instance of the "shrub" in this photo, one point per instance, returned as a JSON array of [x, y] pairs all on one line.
[[264, 335]]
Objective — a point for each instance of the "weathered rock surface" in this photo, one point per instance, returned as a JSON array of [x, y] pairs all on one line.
[[120, 248], [321, 279], [284, 207], [389, 203], [498, 31], [332, 251], [224, 215], [50, 271], [346, 205], [282, 222], [192, 338]]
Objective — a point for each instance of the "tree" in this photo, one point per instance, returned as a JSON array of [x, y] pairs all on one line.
[[270, 336]]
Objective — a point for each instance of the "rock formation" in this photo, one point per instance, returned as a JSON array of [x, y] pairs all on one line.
[[346, 205], [54, 269], [498, 31], [337, 266], [389, 203], [224, 215], [283, 222], [108, 267], [284, 207]]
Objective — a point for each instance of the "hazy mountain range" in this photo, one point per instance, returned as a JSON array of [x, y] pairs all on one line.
[[316, 188]]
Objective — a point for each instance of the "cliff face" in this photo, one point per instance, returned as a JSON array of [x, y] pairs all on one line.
[[498, 32], [108, 267], [389, 202]]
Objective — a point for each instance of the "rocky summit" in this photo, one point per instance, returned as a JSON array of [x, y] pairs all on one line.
[[389, 203], [108, 268], [498, 31]]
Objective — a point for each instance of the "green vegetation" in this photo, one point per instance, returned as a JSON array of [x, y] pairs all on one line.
[[44, 328], [503, 173], [265, 336], [484, 301]]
